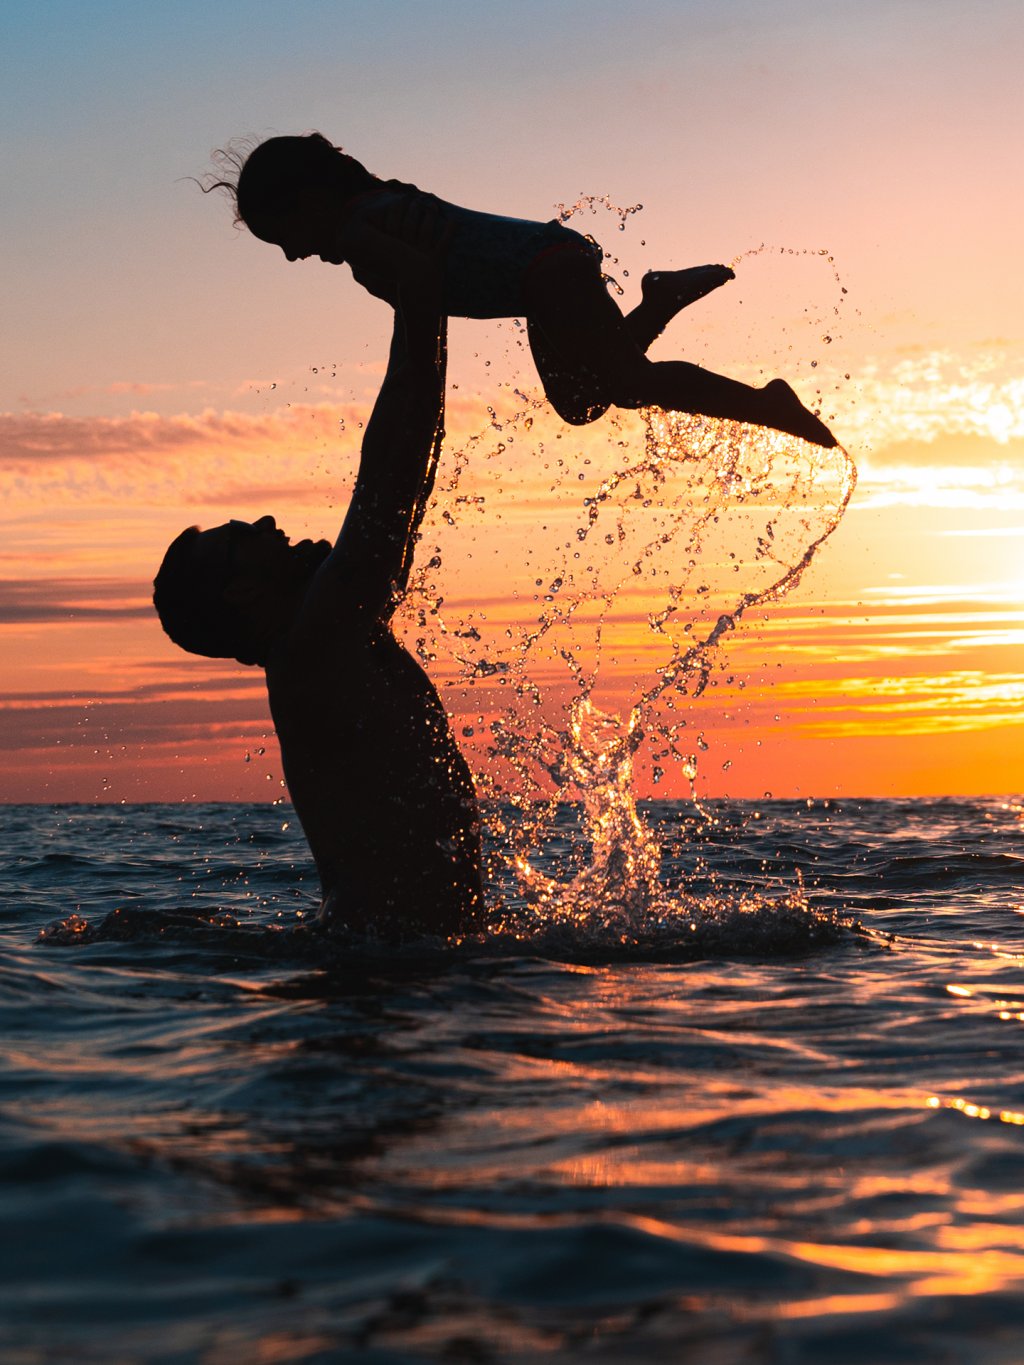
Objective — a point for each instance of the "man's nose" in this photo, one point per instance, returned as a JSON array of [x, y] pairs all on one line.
[[265, 524]]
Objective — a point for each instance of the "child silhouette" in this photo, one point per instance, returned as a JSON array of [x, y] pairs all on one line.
[[311, 199]]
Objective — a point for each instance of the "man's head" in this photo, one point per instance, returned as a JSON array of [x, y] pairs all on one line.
[[232, 591]]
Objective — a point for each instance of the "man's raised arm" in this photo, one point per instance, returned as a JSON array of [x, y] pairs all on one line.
[[371, 559]]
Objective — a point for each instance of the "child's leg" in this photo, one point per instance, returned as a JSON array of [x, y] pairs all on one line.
[[588, 358], [573, 395], [668, 292]]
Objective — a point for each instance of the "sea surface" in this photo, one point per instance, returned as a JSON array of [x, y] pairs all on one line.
[[778, 1117]]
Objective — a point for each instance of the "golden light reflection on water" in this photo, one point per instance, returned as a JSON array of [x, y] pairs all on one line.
[[988, 998], [976, 1111], [839, 1304], [925, 1273]]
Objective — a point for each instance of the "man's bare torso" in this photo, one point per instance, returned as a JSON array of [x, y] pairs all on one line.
[[383, 794]]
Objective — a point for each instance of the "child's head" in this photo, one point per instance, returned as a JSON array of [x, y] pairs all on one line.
[[281, 176]]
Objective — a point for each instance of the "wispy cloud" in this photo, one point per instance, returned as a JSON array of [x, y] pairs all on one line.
[[962, 450], [24, 601], [199, 702], [939, 394], [964, 700], [241, 682], [212, 457], [108, 725], [28, 438]]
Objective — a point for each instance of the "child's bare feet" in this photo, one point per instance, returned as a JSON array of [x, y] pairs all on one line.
[[675, 289], [784, 411]]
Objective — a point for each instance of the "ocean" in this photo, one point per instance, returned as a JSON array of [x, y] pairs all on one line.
[[773, 1114]]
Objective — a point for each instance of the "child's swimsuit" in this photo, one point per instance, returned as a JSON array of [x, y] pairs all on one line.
[[488, 258]]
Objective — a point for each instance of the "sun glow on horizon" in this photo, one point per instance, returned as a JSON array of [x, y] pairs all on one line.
[[167, 369], [922, 621]]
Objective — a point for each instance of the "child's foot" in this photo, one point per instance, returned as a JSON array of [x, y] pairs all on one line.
[[676, 289], [785, 412]]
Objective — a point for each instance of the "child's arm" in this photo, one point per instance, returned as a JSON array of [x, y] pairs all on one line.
[[370, 562]]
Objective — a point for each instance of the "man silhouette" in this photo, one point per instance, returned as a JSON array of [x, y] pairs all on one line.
[[384, 795]]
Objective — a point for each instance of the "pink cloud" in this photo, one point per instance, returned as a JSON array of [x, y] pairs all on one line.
[[27, 438]]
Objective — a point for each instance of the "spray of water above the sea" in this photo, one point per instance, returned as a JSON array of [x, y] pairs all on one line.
[[629, 552]]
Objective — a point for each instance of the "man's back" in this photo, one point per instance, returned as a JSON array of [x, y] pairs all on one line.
[[378, 782]]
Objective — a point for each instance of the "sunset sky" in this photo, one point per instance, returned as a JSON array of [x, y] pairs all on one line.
[[860, 165]]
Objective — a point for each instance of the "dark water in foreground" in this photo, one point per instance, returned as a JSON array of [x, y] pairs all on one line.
[[763, 1146]]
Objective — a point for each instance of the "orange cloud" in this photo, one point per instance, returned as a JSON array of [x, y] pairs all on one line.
[[957, 449]]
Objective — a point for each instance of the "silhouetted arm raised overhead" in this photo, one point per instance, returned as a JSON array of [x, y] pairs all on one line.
[[369, 566]]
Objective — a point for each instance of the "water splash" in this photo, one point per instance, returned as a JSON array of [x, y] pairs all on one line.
[[615, 903], [618, 880], [688, 524], [683, 525]]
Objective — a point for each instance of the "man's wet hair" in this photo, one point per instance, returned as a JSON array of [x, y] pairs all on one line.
[[190, 603]]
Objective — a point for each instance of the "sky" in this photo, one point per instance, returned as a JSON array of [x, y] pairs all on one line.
[[857, 164]]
